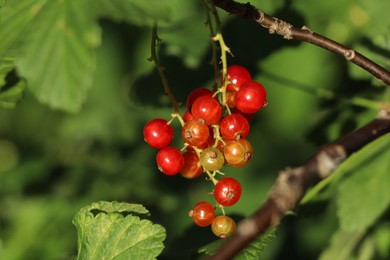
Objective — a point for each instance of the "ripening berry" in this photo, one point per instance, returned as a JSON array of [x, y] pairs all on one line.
[[195, 132], [202, 214], [211, 159], [238, 153], [223, 226], [192, 167]]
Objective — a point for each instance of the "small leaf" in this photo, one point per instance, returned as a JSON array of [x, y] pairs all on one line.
[[364, 196], [252, 251], [108, 230]]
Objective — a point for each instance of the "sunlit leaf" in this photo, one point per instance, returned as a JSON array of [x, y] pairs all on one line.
[[112, 230], [55, 41]]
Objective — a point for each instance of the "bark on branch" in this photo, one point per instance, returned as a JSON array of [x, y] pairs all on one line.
[[275, 25]]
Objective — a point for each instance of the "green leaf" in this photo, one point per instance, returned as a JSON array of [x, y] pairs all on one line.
[[342, 245], [108, 230], [55, 42], [252, 251], [364, 196], [143, 13]]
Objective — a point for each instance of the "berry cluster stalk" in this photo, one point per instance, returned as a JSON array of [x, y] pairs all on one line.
[[154, 43]]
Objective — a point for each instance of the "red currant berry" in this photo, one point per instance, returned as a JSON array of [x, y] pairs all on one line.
[[247, 116], [234, 127], [170, 160], [202, 214], [187, 116], [223, 226], [158, 133], [195, 132], [230, 99], [192, 168], [196, 93], [227, 191], [208, 109], [237, 75], [211, 159], [238, 153], [250, 97]]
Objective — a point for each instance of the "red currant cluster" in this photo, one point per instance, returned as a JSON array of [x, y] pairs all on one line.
[[214, 129]]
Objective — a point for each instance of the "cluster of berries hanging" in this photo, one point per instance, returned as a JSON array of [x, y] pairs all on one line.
[[214, 129]]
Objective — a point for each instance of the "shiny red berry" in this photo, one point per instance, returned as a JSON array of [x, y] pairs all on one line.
[[170, 160], [192, 167], [196, 93], [207, 109], [202, 214], [234, 127], [158, 133], [237, 75], [250, 97], [227, 191], [187, 116]]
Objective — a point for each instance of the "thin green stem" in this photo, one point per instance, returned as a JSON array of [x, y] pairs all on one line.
[[154, 43]]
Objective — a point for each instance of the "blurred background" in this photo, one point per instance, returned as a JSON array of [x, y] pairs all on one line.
[[52, 163]]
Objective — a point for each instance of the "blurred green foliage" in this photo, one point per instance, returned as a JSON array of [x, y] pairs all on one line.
[[54, 162]]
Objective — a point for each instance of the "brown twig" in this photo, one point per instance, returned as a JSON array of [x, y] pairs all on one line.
[[291, 184], [275, 25]]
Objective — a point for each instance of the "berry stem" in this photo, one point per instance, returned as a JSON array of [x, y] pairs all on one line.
[[153, 57], [223, 48], [214, 61], [179, 117], [212, 177]]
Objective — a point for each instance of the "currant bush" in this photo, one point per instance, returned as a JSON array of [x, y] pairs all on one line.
[[215, 126]]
